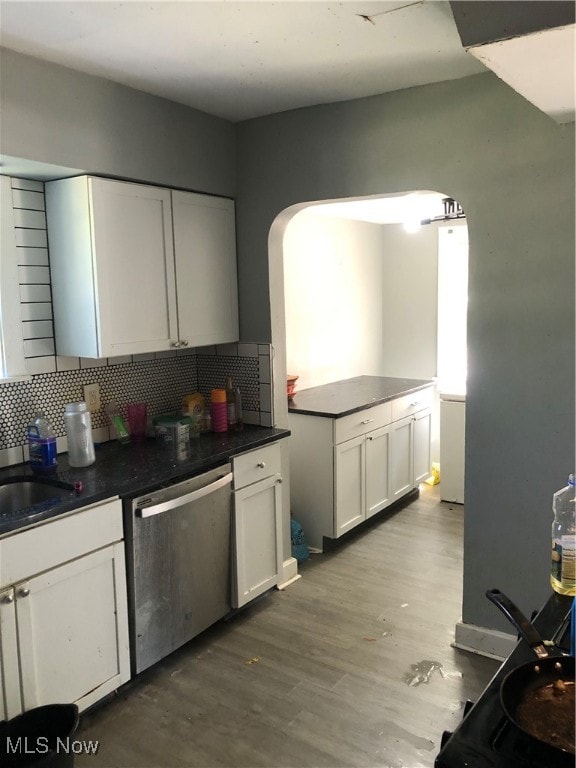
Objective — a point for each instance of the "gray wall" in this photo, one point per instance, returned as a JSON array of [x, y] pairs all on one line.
[[52, 114], [512, 169]]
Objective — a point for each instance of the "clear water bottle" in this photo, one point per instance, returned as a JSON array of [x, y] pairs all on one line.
[[79, 432], [42, 444], [563, 573]]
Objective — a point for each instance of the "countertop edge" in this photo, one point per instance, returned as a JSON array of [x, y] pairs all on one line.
[[295, 410], [129, 487]]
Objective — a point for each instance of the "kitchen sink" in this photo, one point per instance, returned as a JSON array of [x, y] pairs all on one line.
[[29, 495]]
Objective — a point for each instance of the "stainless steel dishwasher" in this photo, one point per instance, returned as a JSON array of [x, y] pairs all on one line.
[[178, 563]]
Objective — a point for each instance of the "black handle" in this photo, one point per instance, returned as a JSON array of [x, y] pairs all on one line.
[[527, 630]]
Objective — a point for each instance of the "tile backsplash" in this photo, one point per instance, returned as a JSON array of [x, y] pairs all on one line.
[[160, 379]]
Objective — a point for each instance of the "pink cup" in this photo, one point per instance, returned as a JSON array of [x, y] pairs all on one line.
[[137, 420]]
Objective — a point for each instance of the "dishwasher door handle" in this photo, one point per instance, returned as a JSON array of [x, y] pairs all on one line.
[[187, 498]]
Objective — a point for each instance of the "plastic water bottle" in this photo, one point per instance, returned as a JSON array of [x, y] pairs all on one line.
[[79, 431], [563, 573], [42, 444]]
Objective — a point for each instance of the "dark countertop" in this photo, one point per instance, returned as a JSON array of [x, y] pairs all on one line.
[[128, 470], [340, 398]]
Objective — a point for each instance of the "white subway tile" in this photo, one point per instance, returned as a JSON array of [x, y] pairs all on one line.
[[264, 369], [266, 419], [65, 363], [32, 257], [227, 350], [39, 348], [91, 362], [36, 186], [33, 293], [9, 456], [33, 275], [248, 350], [42, 311], [265, 397], [37, 329], [31, 238], [30, 219], [37, 365]]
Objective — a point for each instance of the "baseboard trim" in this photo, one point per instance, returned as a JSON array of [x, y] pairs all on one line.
[[289, 573], [483, 641]]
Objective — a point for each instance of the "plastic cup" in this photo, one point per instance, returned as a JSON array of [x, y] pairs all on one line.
[[137, 420]]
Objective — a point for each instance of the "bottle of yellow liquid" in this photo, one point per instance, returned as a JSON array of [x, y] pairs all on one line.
[[563, 573]]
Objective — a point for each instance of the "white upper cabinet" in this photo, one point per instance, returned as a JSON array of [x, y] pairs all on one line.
[[120, 287], [205, 257]]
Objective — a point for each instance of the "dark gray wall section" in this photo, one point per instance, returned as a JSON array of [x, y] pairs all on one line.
[[512, 169], [52, 114], [484, 21]]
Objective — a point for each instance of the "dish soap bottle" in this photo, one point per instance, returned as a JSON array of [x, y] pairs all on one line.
[[563, 573], [42, 444]]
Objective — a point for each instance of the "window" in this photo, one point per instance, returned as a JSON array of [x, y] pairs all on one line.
[[12, 363]]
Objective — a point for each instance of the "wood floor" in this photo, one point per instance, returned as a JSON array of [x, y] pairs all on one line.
[[349, 666]]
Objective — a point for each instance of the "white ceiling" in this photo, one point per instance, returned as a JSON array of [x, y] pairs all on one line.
[[240, 60]]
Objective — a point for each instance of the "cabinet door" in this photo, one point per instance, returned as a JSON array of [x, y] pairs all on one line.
[[378, 457], [133, 266], [257, 539], [10, 699], [73, 632], [349, 484], [402, 465], [422, 434], [206, 280]]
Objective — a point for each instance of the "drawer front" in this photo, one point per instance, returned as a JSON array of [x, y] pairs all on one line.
[[56, 542], [412, 403], [361, 422], [255, 465]]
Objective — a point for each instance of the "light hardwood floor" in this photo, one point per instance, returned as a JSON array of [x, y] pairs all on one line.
[[349, 666]]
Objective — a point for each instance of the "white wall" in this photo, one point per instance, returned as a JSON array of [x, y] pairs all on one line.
[[333, 296], [409, 301]]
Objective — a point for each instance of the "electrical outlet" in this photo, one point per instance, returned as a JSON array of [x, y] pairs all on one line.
[[92, 397]]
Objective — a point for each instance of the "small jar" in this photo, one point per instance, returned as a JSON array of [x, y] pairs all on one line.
[[79, 432]]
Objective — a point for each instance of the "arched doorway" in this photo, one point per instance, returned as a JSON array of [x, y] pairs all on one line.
[[357, 292]]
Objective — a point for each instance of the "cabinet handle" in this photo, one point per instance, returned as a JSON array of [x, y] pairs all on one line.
[[414, 404], [8, 598], [176, 344], [23, 592], [184, 343], [261, 464], [367, 421], [279, 480], [370, 438]]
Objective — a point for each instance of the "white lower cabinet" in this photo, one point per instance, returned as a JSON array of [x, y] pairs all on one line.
[[257, 523], [64, 630], [343, 471]]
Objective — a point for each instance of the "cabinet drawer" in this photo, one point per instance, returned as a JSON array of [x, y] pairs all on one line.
[[256, 465], [356, 424], [412, 403], [37, 549]]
